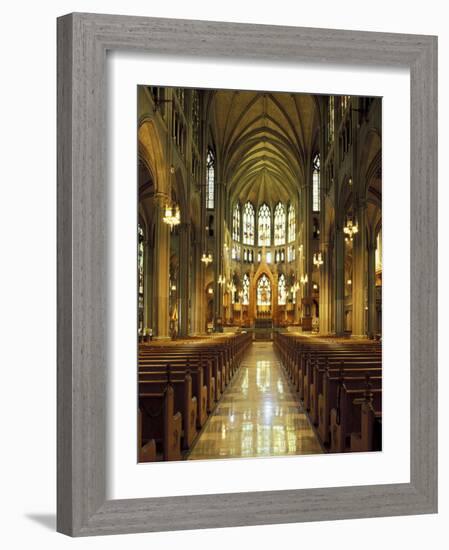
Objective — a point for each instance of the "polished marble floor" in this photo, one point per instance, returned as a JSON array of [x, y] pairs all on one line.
[[258, 414]]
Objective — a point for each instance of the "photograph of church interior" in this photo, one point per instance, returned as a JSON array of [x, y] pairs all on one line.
[[259, 274]]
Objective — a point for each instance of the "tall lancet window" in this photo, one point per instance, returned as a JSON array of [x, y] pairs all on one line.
[[248, 224], [264, 225], [245, 289], [210, 179], [316, 183], [378, 254], [263, 291], [140, 271], [291, 224], [236, 223], [282, 290], [279, 224]]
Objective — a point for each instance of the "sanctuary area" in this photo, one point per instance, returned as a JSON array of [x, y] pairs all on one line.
[[259, 274]]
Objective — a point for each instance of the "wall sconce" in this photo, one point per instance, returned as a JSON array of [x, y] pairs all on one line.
[[304, 279], [206, 258], [221, 280], [350, 229], [318, 260], [232, 288], [295, 288]]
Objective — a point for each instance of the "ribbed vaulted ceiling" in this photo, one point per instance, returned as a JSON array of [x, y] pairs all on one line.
[[263, 140]]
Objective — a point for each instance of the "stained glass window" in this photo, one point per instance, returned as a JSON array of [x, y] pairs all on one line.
[[248, 224], [245, 297], [210, 176], [236, 223], [316, 183], [378, 253], [140, 271], [195, 115], [291, 224], [264, 225], [263, 291], [331, 120], [282, 290], [279, 224], [291, 254]]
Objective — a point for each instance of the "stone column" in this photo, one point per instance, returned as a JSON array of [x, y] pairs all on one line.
[[197, 289], [358, 278], [339, 281], [306, 321], [324, 317], [372, 313], [184, 268], [148, 285], [161, 255]]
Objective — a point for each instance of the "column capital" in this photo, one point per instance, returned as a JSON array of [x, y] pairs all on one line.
[[160, 198]]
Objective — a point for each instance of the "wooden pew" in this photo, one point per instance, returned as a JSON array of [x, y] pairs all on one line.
[[316, 366], [199, 370], [202, 386], [345, 418], [184, 401], [315, 386], [213, 380], [365, 439], [147, 452], [161, 423], [331, 383]]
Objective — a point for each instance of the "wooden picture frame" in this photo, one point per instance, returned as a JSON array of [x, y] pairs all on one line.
[[83, 40]]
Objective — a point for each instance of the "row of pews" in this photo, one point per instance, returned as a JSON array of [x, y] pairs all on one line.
[[179, 384], [339, 382]]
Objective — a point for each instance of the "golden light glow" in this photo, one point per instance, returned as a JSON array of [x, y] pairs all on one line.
[[259, 415]]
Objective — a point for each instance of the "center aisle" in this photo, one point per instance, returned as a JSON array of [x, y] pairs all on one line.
[[258, 415]]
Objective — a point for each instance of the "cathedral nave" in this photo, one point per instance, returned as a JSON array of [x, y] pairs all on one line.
[[259, 273]]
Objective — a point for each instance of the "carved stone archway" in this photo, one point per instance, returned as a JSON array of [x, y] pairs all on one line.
[[263, 269]]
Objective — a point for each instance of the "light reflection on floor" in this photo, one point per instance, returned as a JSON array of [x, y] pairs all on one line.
[[258, 414]]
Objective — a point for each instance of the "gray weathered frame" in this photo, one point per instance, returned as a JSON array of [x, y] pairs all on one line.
[[83, 40]]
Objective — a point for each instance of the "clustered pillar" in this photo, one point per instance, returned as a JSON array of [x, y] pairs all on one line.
[[161, 260]]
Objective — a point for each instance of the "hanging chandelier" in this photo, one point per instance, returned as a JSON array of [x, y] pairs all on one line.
[[318, 260], [206, 258], [172, 215], [232, 288], [350, 230]]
